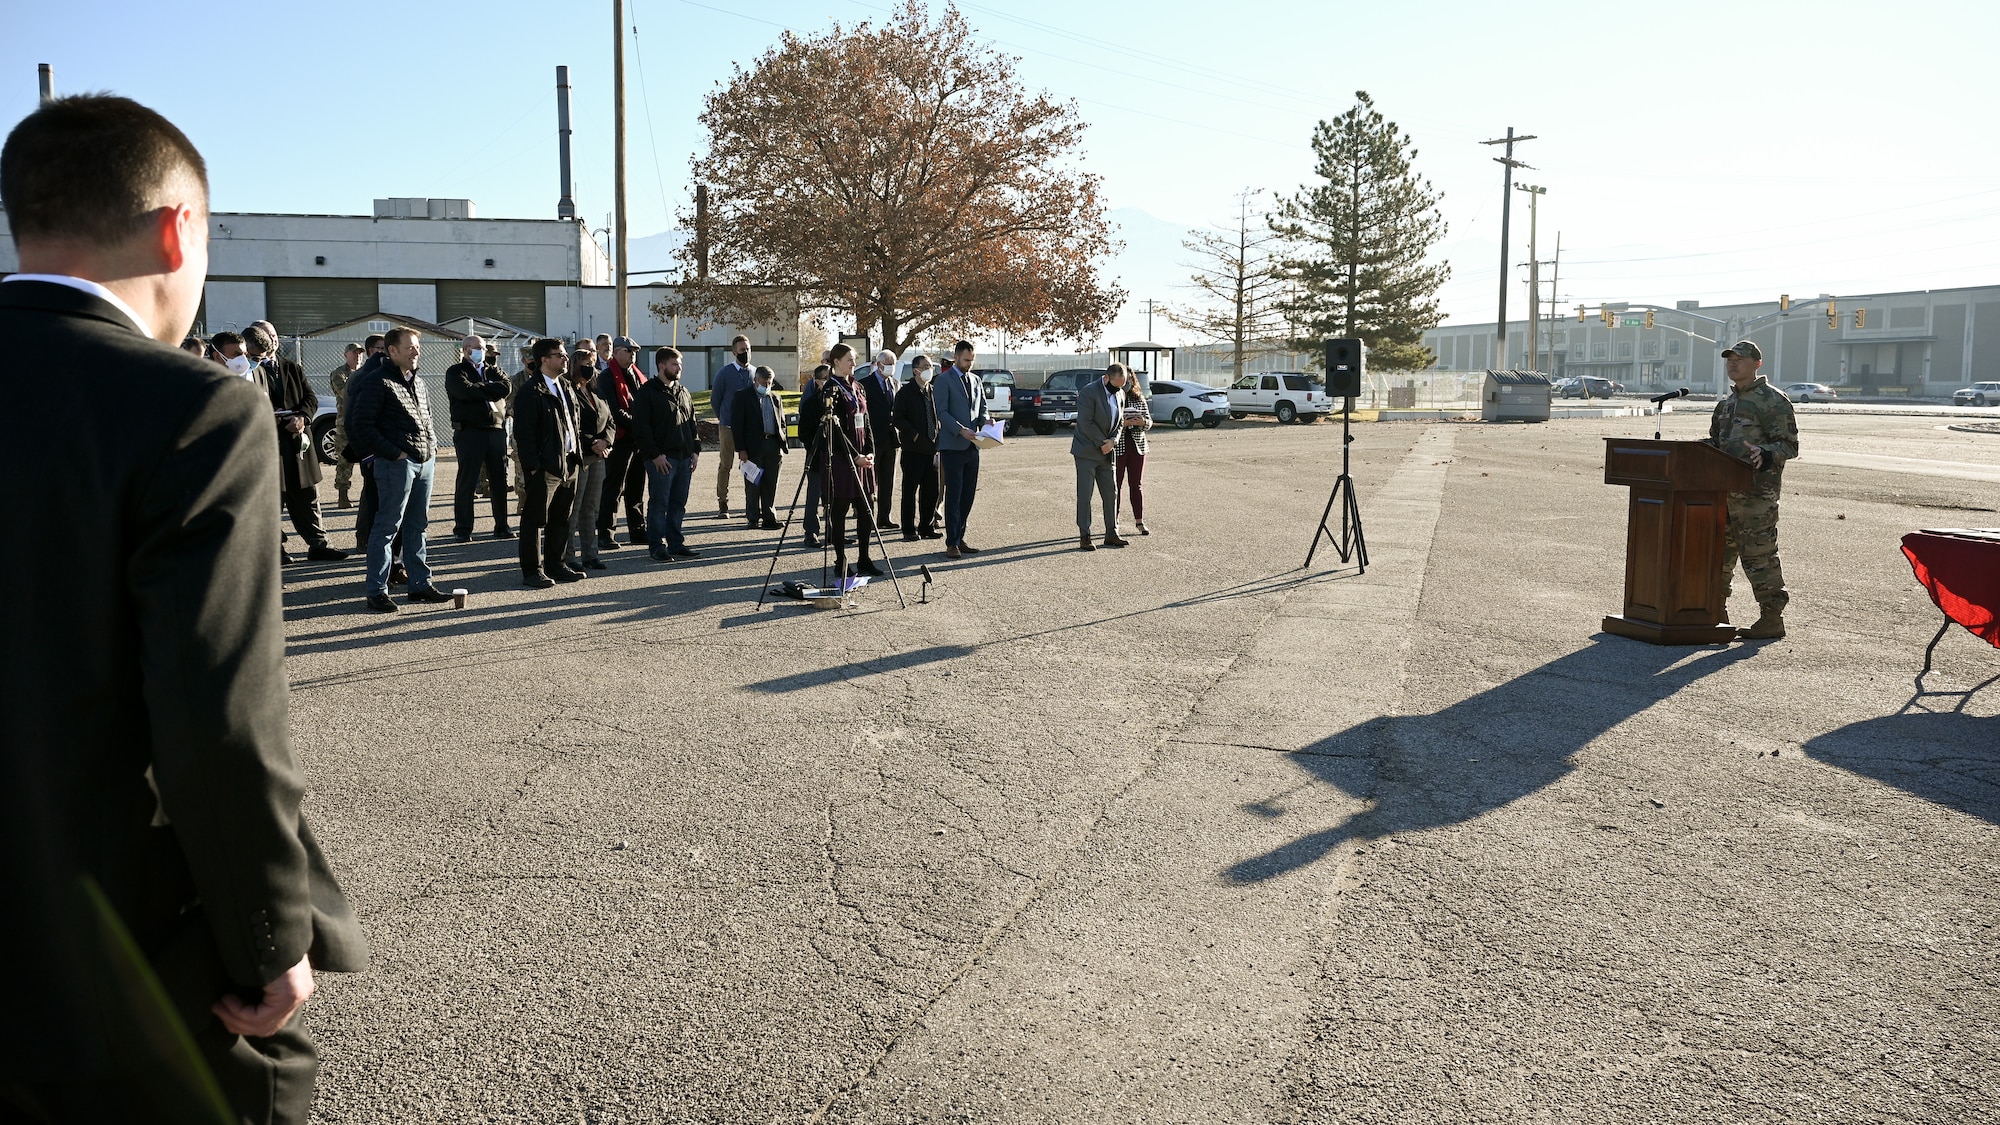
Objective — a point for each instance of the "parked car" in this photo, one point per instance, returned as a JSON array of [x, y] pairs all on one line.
[[1811, 392], [322, 431], [999, 395], [1288, 395], [1054, 402], [1588, 387], [1184, 404], [1978, 394]]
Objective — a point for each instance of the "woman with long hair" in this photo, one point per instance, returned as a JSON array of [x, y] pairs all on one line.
[[1131, 451], [850, 480]]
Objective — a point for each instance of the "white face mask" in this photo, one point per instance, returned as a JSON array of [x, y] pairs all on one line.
[[923, 375], [476, 356], [240, 364]]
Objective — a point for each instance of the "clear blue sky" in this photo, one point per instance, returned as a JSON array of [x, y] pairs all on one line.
[[1702, 150]]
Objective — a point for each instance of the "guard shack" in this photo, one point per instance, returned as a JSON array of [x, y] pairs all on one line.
[[1515, 396], [1148, 361]]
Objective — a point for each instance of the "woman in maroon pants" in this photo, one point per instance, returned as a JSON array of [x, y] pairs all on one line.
[[1132, 447]]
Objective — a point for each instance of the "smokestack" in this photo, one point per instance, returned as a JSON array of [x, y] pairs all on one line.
[[47, 74], [701, 231], [566, 206]]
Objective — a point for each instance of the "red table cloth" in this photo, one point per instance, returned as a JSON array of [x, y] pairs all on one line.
[[1960, 567]]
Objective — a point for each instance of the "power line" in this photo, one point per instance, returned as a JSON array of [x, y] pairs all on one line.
[[652, 134]]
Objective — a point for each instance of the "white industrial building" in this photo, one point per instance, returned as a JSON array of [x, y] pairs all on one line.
[[1920, 343], [435, 260]]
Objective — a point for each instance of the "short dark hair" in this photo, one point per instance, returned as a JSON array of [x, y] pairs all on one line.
[[962, 346], [545, 347], [374, 343], [194, 344], [91, 168], [223, 339], [763, 372], [739, 338], [398, 336], [664, 354]]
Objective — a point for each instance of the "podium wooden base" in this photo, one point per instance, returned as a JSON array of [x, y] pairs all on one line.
[[1717, 634]]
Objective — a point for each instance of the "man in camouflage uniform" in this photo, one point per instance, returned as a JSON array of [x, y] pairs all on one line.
[[1755, 425], [343, 470]]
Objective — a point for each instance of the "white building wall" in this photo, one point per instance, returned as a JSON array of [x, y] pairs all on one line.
[[417, 300], [233, 305]]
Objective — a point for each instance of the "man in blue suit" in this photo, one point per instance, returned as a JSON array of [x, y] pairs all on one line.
[[961, 411]]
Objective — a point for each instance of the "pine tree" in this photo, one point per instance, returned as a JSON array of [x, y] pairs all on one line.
[[1357, 241], [1237, 285]]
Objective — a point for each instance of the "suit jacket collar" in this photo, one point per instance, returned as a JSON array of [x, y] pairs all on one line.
[[52, 297]]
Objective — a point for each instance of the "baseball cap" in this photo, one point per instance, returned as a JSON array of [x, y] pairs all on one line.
[[626, 343], [1746, 349]]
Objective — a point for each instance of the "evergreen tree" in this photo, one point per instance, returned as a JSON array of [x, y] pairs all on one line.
[[1357, 241], [1238, 287]]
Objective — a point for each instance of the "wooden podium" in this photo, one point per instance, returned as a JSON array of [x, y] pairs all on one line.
[[1673, 538]]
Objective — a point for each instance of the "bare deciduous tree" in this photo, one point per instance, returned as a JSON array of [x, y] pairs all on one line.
[[1238, 286]]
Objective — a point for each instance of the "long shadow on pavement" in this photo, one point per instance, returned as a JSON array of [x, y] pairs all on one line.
[[1946, 757], [1483, 752]]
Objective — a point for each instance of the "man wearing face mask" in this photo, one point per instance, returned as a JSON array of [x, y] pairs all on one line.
[[759, 426], [478, 394], [735, 376], [879, 385], [915, 416], [293, 403], [624, 474]]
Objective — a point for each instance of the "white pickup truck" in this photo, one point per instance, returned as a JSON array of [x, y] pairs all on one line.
[[1292, 396]]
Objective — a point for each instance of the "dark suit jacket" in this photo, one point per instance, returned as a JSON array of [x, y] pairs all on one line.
[[748, 426], [539, 419], [916, 417], [163, 658], [881, 391], [478, 396], [292, 396]]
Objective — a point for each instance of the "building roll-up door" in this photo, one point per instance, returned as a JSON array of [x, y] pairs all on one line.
[[297, 305], [523, 304]]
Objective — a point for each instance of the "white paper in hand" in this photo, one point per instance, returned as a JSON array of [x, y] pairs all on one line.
[[990, 437], [751, 472]]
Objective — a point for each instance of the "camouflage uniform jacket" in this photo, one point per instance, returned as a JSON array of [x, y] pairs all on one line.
[[1759, 416], [337, 380]]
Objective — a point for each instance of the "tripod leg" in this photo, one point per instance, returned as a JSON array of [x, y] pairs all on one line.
[[1352, 514], [1322, 528], [787, 530]]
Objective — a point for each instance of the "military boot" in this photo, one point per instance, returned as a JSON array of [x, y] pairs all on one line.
[[344, 501], [1768, 627]]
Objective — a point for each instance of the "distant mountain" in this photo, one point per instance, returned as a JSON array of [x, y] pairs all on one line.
[[656, 252]]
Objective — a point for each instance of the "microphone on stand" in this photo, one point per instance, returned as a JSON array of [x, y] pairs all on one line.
[[1670, 396]]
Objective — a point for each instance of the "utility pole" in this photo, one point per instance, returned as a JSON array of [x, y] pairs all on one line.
[[1508, 164], [47, 74], [618, 157], [1554, 282], [1535, 194], [1149, 320]]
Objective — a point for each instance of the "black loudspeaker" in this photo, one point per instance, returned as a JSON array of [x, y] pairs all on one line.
[[1343, 368]]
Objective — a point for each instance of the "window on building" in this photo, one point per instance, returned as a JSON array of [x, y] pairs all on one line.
[[1624, 349], [1673, 347], [1599, 350], [1652, 349]]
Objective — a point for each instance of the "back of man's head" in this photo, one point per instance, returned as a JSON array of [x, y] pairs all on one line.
[[92, 168]]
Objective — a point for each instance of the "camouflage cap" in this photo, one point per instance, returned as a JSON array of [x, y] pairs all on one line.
[[1746, 349]]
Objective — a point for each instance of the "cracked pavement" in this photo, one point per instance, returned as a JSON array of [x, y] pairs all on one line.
[[1180, 832]]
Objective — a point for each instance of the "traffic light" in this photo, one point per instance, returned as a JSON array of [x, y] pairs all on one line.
[[1832, 316], [1860, 318], [1784, 302], [1579, 314], [1649, 318], [1608, 317]]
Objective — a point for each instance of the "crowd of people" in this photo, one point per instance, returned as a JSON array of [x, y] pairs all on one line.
[[581, 433]]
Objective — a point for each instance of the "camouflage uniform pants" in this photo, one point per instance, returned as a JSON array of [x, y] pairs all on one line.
[[1752, 536], [343, 470]]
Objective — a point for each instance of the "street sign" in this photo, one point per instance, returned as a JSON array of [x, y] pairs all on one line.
[[1633, 322]]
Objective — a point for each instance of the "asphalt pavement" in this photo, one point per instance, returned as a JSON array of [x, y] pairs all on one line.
[[1181, 832]]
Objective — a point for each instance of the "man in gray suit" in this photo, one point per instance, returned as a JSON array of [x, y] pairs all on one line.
[[1095, 444], [961, 413]]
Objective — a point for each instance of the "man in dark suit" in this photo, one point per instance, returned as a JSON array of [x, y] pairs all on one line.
[[166, 903], [478, 394], [962, 413], [545, 438], [293, 404], [1099, 417], [916, 426], [879, 384], [758, 422]]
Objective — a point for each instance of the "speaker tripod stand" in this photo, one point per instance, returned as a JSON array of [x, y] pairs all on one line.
[[1351, 544], [821, 450]]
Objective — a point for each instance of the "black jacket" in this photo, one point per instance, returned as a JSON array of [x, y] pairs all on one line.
[[387, 415], [621, 413], [915, 415], [292, 396], [812, 408], [881, 391], [748, 425], [144, 733], [539, 418], [662, 420], [593, 420], [478, 397]]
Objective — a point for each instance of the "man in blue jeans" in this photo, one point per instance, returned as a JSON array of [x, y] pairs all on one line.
[[389, 419], [663, 420], [961, 412]]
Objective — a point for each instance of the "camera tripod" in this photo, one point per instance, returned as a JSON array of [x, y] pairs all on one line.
[[822, 445], [1351, 544]]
